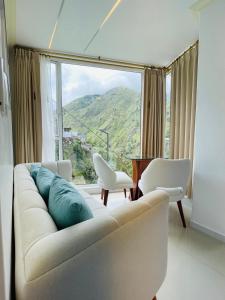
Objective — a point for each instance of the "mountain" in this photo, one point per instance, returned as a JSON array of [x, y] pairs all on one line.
[[117, 111]]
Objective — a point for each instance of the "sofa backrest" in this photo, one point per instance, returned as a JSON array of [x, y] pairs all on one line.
[[30, 208], [32, 220], [61, 167]]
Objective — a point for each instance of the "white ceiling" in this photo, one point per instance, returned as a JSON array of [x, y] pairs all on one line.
[[145, 31]]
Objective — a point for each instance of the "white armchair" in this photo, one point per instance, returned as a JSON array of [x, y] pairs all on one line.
[[109, 179], [169, 175]]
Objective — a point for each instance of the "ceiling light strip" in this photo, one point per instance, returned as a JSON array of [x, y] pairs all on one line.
[[200, 4], [116, 4], [110, 13], [52, 36], [56, 24]]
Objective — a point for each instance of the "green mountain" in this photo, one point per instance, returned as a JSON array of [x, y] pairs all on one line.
[[117, 111]]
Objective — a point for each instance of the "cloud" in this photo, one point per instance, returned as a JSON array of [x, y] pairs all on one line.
[[78, 81]]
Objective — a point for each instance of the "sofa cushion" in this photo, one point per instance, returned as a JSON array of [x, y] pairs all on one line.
[[66, 205], [34, 171], [43, 180], [97, 207]]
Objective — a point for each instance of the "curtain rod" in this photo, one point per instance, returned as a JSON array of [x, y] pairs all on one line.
[[90, 59], [168, 68]]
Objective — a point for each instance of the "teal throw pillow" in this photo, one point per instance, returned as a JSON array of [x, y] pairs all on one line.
[[43, 181], [66, 205], [34, 171]]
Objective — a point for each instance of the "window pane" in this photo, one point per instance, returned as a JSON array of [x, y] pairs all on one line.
[[101, 113], [54, 101], [167, 125]]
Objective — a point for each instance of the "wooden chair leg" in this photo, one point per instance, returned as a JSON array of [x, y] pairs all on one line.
[[102, 193], [140, 194], [106, 193], [131, 194], [125, 193], [179, 204]]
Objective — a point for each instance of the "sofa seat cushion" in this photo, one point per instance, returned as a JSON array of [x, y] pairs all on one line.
[[44, 180], [66, 205], [97, 207]]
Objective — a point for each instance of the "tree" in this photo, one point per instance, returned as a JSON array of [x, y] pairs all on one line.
[[81, 158]]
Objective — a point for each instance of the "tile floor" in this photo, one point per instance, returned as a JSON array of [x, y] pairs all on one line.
[[196, 262]]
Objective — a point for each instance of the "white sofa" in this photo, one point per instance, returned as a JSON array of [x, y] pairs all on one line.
[[120, 254]]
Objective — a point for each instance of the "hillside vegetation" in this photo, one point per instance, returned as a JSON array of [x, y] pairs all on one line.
[[118, 112]]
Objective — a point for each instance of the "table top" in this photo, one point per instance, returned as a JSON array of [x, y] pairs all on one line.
[[140, 157]]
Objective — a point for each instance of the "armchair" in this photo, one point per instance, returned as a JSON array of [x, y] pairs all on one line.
[[169, 175], [109, 179]]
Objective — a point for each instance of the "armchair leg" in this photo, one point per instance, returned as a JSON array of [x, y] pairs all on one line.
[[140, 194], [179, 204], [125, 193], [131, 194], [106, 193], [102, 193]]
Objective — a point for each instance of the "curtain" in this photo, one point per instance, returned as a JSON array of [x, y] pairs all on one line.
[[48, 124], [183, 105], [27, 119], [153, 113]]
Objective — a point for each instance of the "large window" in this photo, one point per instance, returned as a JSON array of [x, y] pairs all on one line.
[[97, 110]]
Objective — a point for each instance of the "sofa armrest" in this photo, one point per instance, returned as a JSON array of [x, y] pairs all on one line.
[[62, 245], [133, 209]]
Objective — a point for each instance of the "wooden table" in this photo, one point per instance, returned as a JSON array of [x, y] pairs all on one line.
[[139, 164]]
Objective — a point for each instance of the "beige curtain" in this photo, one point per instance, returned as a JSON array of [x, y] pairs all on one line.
[[183, 105], [153, 113], [27, 123]]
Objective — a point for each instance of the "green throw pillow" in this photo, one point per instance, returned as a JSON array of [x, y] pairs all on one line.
[[34, 171], [44, 180], [66, 205]]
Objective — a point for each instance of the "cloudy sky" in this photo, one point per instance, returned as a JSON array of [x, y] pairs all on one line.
[[168, 86], [78, 81]]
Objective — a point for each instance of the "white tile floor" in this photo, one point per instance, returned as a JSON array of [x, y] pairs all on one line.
[[196, 262]]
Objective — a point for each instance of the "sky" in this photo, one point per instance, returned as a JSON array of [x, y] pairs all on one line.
[[78, 81]]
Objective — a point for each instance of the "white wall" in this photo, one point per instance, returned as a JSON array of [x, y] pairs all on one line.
[[209, 166], [6, 188]]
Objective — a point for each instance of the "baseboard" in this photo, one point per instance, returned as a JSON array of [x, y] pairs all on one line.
[[208, 231], [90, 188], [95, 189]]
